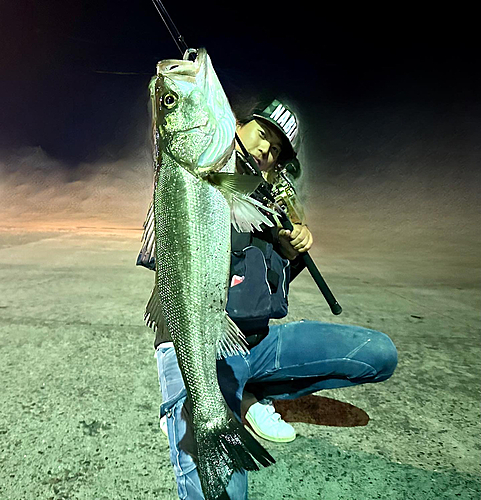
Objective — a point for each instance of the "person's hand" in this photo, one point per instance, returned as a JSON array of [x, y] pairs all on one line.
[[296, 241]]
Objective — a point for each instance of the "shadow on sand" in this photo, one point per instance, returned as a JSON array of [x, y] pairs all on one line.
[[320, 410]]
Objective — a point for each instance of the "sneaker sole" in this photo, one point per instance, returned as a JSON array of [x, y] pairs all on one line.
[[256, 429], [163, 427]]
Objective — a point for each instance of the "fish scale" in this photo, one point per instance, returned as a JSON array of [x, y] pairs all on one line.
[[191, 277], [193, 132]]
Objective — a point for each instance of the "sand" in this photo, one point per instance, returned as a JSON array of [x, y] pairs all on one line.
[[80, 399]]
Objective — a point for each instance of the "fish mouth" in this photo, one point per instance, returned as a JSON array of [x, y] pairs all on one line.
[[182, 68]]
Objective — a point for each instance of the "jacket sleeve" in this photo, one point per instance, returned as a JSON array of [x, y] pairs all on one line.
[[271, 235]]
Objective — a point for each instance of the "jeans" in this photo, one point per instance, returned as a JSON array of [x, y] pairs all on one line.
[[294, 360]]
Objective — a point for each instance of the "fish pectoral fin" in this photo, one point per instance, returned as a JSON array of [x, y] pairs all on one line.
[[245, 213], [246, 216], [234, 183], [233, 341]]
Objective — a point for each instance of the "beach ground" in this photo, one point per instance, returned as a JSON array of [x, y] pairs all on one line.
[[80, 397]]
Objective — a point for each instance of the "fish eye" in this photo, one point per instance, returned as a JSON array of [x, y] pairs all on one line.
[[169, 100]]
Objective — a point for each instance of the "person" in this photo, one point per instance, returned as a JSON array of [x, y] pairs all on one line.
[[285, 361]]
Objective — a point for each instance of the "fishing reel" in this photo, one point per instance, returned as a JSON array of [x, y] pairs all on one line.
[[290, 167], [282, 179], [280, 184]]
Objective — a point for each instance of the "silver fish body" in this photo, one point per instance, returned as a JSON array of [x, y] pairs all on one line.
[[193, 138]]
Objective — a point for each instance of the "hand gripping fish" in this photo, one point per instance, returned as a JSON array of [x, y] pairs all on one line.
[[193, 206]]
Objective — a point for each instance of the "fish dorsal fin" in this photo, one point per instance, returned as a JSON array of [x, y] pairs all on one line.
[[233, 341], [147, 252], [245, 213]]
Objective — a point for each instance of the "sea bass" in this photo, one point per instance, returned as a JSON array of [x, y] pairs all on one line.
[[193, 206]]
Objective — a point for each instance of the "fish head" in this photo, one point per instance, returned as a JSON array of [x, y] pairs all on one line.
[[193, 121]]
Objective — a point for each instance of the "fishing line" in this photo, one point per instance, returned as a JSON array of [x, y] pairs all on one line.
[[171, 27], [254, 170]]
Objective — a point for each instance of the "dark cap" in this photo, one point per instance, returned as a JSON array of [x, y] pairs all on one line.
[[285, 121]]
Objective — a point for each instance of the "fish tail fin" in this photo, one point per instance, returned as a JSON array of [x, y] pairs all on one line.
[[225, 450], [233, 341], [245, 211]]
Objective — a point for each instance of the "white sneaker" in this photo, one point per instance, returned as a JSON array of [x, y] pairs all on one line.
[[268, 424], [163, 425]]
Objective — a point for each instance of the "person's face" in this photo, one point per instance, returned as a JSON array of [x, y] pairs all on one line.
[[262, 141]]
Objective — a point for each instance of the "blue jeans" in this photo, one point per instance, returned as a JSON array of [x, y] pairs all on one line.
[[294, 360]]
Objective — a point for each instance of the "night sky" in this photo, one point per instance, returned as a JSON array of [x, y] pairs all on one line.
[[330, 60], [380, 91]]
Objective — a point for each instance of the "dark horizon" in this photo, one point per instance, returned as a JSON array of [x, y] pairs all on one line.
[[357, 82]]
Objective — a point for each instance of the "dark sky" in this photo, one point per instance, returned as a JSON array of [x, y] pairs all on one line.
[[362, 78]]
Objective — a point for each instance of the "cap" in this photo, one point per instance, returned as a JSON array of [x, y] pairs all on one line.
[[285, 121]]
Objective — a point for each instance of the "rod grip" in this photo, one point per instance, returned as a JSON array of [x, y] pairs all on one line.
[[316, 275]]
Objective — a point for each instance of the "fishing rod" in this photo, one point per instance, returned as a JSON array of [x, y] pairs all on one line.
[[287, 224], [254, 170], [171, 27]]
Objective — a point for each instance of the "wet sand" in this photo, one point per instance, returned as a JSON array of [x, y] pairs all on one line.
[[79, 400]]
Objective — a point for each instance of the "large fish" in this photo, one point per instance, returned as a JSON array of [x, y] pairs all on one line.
[[193, 206]]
